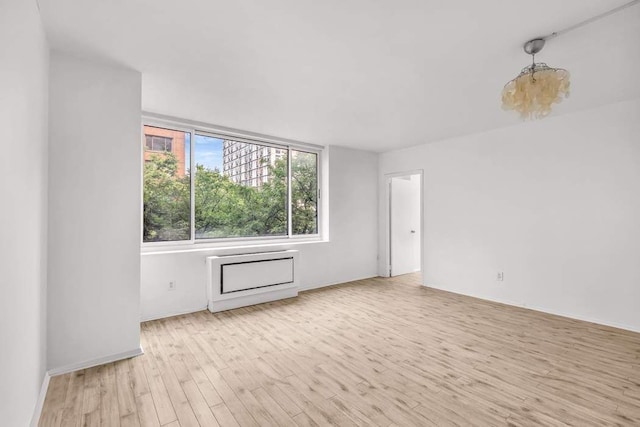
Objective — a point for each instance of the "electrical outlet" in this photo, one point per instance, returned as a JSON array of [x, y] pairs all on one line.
[[500, 276], [172, 285]]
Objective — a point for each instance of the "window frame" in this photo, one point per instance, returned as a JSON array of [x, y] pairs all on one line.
[[198, 128]]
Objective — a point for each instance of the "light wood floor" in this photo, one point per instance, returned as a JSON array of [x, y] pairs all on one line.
[[372, 352]]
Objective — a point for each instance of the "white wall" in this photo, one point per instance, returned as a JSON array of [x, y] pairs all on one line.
[[349, 255], [94, 211], [24, 62], [555, 204]]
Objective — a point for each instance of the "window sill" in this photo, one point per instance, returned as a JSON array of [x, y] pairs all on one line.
[[254, 245]]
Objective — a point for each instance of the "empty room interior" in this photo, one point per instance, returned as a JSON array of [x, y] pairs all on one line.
[[297, 213]]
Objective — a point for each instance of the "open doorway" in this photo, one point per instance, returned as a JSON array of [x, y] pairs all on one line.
[[405, 223]]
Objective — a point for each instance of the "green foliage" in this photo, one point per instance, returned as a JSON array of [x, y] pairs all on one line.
[[304, 196], [166, 200], [224, 208]]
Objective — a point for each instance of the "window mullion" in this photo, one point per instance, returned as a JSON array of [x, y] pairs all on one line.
[[192, 166], [289, 195]]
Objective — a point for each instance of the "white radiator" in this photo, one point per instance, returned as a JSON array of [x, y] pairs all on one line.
[[248, 279]]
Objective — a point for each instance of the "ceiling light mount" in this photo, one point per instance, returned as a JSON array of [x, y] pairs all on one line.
[[534, 46]]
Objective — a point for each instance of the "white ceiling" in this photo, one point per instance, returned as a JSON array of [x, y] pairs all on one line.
[[369, 74]]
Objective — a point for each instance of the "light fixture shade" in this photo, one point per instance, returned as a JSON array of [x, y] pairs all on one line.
[[535, 90]]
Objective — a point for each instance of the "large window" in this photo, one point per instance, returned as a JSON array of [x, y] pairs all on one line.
[[238, 188]]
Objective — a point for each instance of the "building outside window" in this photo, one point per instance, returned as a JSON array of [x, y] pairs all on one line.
[[159, 142]]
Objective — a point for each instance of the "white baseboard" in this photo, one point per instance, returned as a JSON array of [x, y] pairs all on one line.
[[325, 285], [37, 412], [205, 307], [173, 313], [544, 310], [582, 318], [95, 362], [249, 300]]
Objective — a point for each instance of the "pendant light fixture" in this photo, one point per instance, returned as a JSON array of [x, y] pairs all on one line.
[[534, 91], [537, 87]]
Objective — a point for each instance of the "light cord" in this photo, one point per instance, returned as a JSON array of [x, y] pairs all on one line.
[[590, 20]]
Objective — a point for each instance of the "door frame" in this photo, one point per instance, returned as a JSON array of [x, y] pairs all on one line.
[[388, 196]]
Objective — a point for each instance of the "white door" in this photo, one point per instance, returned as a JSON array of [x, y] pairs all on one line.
[[405, 224]]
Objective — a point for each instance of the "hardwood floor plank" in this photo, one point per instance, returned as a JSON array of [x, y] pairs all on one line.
[[184, 412], [109, 411], [231, 401], [278, 414], [314, 404], [147, 410], [54, 402], [199, 405], [164, 409], [197, 373], [50, 419], [91, 398], [259, 413], [354, 413], [224, 416], [303, 420], [138, 377], [72, 411]]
